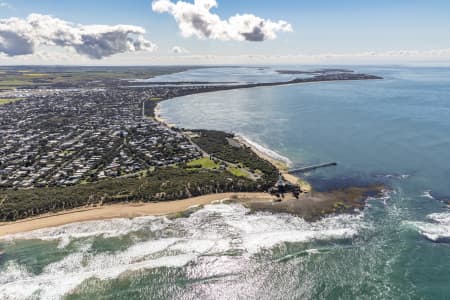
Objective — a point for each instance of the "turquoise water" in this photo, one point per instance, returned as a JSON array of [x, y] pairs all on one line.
[[394, 131]]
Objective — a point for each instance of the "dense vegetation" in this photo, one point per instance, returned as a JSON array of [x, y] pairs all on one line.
[[217, 144], [159, 185]]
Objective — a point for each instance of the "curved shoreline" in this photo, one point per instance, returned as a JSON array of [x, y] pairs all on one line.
[[124, 210], [280, 164], [277, 160], [130, 210]]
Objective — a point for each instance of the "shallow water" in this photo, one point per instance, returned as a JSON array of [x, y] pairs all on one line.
[[393, 130], [219, 244]]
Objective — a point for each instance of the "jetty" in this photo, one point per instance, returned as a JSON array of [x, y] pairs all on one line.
[[311, 168]]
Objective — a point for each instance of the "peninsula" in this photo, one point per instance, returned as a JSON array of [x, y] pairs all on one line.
[[73, 146]]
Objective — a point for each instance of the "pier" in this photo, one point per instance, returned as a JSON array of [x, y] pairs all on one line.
[[311, 168]]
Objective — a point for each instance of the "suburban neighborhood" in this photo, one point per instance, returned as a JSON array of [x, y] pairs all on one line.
[[65, 138]]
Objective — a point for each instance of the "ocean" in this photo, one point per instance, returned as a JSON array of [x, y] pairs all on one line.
[[394, 131]]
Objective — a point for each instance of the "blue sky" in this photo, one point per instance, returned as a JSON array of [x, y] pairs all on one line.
[[319, 27]]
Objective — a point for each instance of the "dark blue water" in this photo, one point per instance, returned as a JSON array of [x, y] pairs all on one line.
[[395, 130], [398, 125]]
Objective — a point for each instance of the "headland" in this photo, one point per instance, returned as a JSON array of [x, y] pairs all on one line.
[[240, 170]]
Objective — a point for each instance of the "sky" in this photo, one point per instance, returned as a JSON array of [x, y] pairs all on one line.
[[146, 32]]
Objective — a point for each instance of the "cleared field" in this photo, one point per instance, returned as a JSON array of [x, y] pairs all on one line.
[[237, 172], [15, 82], [35, 74], [9, 100], [204, 162]]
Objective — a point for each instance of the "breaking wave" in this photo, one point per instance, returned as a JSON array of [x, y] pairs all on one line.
[[214, 230], [427, 194], [110, 228], [437, 230], [395, 176]]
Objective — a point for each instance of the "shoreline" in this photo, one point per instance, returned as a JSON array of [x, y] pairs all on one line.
[[125, 210], [131, 210], [139, 209], [278, 163], [158, 117], [277, 160]]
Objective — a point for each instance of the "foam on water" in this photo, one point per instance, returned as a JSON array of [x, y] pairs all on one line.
[[384, 197], [262, 231], [211, 231], [394, 176], [253, 232], [63, 276], [13, 272], [437, 230], [427, 194], [109, 228]]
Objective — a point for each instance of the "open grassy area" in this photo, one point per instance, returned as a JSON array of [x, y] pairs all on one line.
[[237, 172], [204, 162], [9, 100], [15, 82], [35, 74]]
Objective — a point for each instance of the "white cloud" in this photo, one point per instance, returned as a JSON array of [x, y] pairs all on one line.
[[179, 50], [197, 20], [22, 36], [54, 55], [5, 4]]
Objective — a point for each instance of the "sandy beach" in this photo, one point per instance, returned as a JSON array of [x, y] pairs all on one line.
[[157, 117], [279, 164], [125, 210], [310, 206], [157, 114]]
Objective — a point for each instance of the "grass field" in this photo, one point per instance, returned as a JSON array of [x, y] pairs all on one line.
[[14, 82], [204, 162], [35, 74], [8, 100], [237, 172]]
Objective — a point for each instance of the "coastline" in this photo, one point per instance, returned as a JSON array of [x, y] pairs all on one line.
[[157, 117], [139, 209], [131, 210], [125, 210], [281, 163], [277, 160]]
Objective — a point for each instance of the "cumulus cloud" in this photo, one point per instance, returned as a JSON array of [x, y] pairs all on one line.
[[22, 36], [196, 19], [179, 50]]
